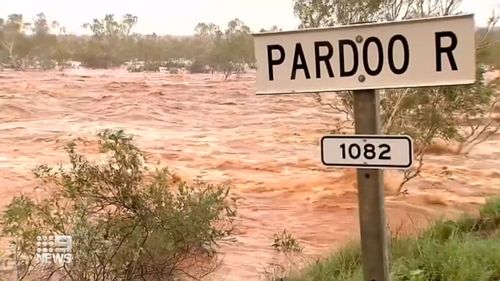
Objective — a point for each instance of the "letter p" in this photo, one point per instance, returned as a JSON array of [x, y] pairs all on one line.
[[271, 61]]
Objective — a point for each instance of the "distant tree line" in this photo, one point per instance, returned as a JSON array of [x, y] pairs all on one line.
[[45, 45]]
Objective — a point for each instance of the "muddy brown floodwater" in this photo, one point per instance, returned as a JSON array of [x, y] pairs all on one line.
[[266, 146]]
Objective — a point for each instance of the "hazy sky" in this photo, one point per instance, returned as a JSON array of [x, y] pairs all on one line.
[[179, 17]]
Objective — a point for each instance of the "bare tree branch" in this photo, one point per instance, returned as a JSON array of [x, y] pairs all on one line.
[[401, 96]]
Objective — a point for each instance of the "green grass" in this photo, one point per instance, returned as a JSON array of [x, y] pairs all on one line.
[[464, 250]]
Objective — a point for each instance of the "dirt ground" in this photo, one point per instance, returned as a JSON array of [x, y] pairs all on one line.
[[266, 146]]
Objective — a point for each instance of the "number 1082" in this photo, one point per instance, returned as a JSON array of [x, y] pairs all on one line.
[[368, 151]]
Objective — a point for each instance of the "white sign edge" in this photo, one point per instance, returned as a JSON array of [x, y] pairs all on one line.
[[374, 24], [361, 87], [377, 136]]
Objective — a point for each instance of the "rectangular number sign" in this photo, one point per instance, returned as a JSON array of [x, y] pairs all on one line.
[[410, 53], [367, 151]]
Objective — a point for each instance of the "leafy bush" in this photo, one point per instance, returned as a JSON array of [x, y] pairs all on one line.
[[198, 67], [99, 60], [135, 66], [230, 68], [46, 64], [153, 66], [127, 222], [285, 242], [175, 64]]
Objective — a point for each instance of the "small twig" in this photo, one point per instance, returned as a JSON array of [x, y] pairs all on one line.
[[477, 135], [336, 108], [413, 173], [400, 98]]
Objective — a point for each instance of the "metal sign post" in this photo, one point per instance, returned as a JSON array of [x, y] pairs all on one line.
[[371, 193]]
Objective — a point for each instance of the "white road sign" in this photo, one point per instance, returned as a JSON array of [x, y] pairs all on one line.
[[411, 53], [367, 151]]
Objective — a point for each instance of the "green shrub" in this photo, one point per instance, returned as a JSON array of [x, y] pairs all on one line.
[[458, 259], [464, 250], [47, 64], [127, 222], [198, 67], [153, 66], [285, 242]]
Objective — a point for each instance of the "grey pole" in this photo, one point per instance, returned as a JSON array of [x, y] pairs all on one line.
[[374, 240]]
